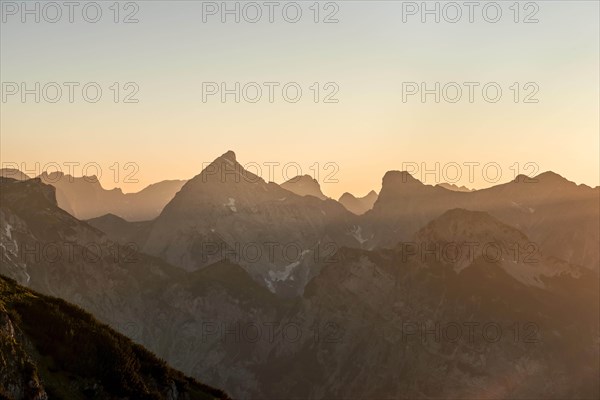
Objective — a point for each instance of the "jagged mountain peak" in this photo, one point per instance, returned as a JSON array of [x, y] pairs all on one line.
[[229, 155], [399, 177], [401, 184], [454, 188], [302, 178], [53, 175], [61, 177], [14, 174], [304, 185], [224, 169]]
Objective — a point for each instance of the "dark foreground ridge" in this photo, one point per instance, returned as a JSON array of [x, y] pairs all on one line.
[[52, 349]]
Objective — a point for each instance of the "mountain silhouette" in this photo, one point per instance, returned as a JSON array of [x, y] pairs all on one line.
[[358, 205]]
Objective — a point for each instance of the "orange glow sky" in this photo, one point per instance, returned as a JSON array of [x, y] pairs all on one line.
[[170, 133]]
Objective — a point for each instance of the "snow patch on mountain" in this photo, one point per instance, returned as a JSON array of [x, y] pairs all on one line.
[[231, 204], [8, 230], [278, 276], [357, 233]]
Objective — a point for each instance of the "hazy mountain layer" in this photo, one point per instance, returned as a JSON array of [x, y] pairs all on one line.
[[85, 198], [559, 217], [304, 185], [358, 205]]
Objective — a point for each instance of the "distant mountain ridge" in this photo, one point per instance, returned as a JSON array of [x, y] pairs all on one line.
[[225, 209], [559, 216], [453, 187], [85, 198], [358, 205], [304, 185], [13, 173]]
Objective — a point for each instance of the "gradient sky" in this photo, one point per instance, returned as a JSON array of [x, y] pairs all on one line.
[[369, 53]]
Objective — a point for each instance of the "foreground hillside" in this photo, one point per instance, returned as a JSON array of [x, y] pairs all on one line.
[[51, 349]]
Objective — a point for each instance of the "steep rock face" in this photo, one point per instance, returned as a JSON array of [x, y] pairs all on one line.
[[51, 349], [228, 212], [411, 315], [304, 185], [559, 216], [219, 324], [85, 198], [358, 205], [45, 248]]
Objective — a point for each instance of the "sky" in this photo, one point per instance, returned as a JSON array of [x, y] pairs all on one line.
[[361, 74]]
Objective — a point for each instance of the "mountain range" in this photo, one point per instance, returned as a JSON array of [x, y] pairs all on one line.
[[84, 197], [268, 292]]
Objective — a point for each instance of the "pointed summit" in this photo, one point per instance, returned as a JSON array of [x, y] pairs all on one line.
[[229, 155], [401, 184], [224, 169]]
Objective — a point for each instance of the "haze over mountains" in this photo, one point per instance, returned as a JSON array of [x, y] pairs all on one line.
[[84, 197], [238, 280], [562, 218]]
